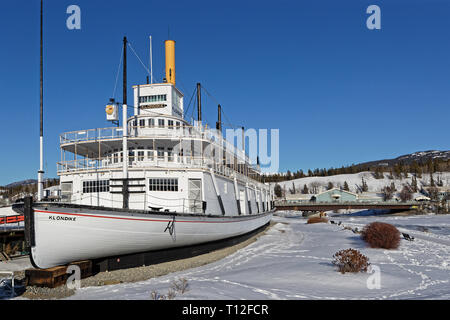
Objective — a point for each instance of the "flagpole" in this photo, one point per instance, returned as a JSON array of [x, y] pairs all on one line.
[[151, 61], [41, 135]]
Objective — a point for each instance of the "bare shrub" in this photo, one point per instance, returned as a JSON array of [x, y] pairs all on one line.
[[388, 193], [155, 295], [406, 194], [381, 235], [177, 286], [11, 248], [171, 294], [350, 260], [317, 220], [181, 285]]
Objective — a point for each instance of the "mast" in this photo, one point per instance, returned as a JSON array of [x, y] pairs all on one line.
[[41, 133], [199, 102], [219, 118], [125, 193], [124, 70], [151, 61]]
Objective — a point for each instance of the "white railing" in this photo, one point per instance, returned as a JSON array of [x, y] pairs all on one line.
[[175, 162], [91, 135], [172, 132], [134, 132]]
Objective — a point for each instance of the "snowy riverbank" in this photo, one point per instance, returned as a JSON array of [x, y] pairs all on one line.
[[293, 261]]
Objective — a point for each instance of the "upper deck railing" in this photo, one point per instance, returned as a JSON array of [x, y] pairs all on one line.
[[142, 162], [167, 132]]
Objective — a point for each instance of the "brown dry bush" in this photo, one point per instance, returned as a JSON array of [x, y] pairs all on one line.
[[11, 248], [350, 260], [317, 220], [381, 235]]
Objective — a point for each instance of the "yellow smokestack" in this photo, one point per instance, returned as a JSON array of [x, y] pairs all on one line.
[[170, 61]]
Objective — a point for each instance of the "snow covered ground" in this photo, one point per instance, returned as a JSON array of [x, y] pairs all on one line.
[[7, 211], [293, 261]]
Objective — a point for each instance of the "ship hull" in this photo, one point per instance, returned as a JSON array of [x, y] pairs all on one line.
[[64, 234]]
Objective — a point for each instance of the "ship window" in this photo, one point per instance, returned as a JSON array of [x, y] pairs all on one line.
[[163, 184], [169, 154], [160, 152], [96, 186], [170, 124], [161, 123], [142, 123], [178, 124], [153, 98], [151, 123], [140, 154], [150, 154]]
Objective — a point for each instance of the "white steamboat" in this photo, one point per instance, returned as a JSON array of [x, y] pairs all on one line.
[[156, 182]]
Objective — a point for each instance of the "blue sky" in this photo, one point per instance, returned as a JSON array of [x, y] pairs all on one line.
[[338, 92]]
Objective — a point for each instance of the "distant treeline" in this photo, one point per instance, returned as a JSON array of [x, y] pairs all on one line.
[[395, 171]]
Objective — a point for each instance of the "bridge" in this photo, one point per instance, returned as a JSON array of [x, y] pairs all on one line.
[[327, 206]]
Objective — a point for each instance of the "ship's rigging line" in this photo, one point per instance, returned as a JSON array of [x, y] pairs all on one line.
[[131, 47], [148, 71], [117, 75], [185, 112], [143, 65], [209, 94]]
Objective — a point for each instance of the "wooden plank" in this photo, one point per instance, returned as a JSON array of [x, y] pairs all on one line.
[[51, 277], [56, 276]]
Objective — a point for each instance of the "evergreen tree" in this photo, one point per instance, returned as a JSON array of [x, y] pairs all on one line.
[[393, 188], [391, 175], [292, 191], [330, 185], [277, 190], [414, 184], [387, 193], [378, 173], [364, 186], [430, 165], [398, 170], [432, 184], [288, 175], [346, 188], [440, 183], [405, 194], [305, 189]]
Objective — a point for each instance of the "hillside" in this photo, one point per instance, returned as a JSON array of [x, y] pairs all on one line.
[[354, 181], [423, 162], [420, 157], [21, 183]]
